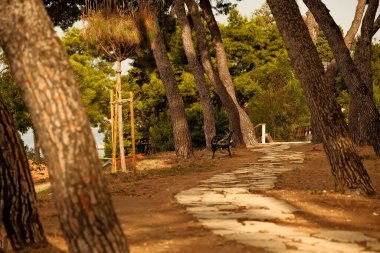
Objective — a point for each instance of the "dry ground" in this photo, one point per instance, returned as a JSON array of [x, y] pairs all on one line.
[[154, 222]]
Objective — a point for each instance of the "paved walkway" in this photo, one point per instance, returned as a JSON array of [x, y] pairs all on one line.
[[230, 205]]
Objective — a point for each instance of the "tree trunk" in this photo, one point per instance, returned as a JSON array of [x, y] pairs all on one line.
[[182, 138], [119, 110], [196, 67], [224, 73], [228, 103], [47, 83], [37, 146], [313, 28], [363, 53], [18, 202], [332, 69], [351, 75], [347, 169]]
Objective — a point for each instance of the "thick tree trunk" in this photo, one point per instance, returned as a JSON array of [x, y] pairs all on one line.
[[224, 73], [119, 106], [18, 202], [43, 73], [182, 138], [347, 169], [231, 108], [313, 28], [350, 73], [363, 53], [332, 69], [196, 68]]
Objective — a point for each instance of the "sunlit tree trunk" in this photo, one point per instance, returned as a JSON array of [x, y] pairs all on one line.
[[347, 169], [182, 138], [18, 198], [119, 106], [360, 93], [246, 126], [228, 103], [196, 67], [43, 73]]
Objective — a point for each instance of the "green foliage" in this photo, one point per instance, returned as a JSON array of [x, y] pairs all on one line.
[[115, 35], [279, 103], [13, 99], [263, 77], [92, 74]]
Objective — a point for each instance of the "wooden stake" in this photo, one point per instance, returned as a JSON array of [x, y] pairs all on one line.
[[113, 133], [132, 133], [119, 112]]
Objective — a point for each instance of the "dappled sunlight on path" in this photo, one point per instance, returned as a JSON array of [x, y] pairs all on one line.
[[234, 205]]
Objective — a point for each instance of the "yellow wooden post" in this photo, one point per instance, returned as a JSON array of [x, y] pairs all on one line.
[[132, 133], [113, 134]]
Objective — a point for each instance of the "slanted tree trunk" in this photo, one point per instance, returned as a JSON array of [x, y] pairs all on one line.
[[18, 199], [224, 73], [347, 169], [46, 80], [119, 106], [332, 69], [363, 53], [313, 28], [182, 138], [228, 103], [356, 86], [196, 68]]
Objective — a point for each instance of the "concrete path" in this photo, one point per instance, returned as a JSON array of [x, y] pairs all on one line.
[[230, 204]]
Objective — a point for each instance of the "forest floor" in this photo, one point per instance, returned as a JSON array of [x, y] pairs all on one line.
[[154, 221]]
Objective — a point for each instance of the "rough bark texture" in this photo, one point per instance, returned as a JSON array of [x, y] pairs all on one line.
[[347, 169], [119, 111], [43, 73], [363, 52], [313, 28], [224, 73], [332, 68], [351, 75], [182, 138], [18, 202], [228, 103], [196, 68]]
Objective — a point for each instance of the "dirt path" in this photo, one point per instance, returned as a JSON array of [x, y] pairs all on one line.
[[154, 221], [230, 206]]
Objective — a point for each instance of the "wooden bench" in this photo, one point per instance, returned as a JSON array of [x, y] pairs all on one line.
[[219, 142]]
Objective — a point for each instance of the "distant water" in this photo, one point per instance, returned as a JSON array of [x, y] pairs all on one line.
[[29, 139]]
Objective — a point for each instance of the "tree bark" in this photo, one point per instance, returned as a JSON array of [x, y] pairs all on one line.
[[224, 73], [119, 110], [37, 146], [332, 69], [182, 138], [228, 103], [196, 68], [43, 73], [350, 73], [363, 53], [313, 28], [347, 169], [18, 202]]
